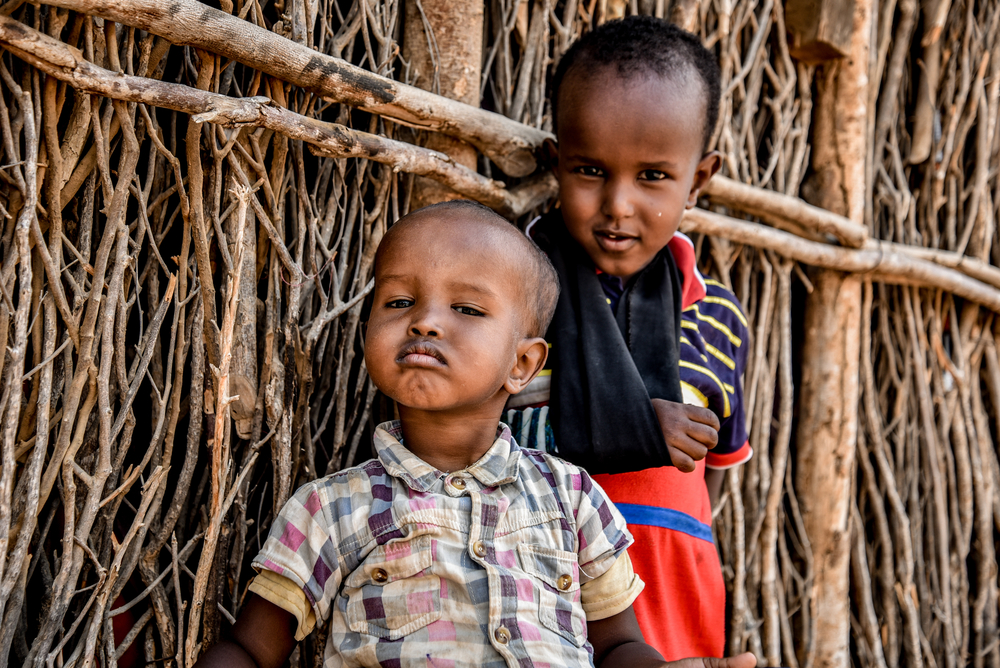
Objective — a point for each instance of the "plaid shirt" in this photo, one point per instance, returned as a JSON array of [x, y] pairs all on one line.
[[481, 567]]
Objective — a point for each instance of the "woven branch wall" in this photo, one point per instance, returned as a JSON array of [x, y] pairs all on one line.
[[191, 257]]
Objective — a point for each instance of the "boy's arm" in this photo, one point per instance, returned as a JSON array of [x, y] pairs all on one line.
[[714, 478], [263, 637], [617, 641]]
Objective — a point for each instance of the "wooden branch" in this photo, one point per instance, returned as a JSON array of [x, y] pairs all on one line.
[[511, 145], [881, 262], [776, 208], [327, 139]]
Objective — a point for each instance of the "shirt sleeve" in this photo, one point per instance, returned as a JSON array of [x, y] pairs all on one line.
[[602, 535], [714, 345], [288, 596], [302, 548], [613, 592]]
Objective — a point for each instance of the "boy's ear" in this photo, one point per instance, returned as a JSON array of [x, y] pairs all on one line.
[[531, 356], [703, 173], [550, 154]]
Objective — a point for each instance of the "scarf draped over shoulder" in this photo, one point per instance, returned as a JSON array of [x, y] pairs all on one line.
[[606, 366]]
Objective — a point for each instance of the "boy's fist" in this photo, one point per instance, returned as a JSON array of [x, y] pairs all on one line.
[[690, 432]]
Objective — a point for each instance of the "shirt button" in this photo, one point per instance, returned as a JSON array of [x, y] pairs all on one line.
[[564, 582], [502, 635], [379, 575], [458, 483], [479, 548]]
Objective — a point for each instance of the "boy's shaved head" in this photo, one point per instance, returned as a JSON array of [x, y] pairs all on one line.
[[534, 274], [642, 45]]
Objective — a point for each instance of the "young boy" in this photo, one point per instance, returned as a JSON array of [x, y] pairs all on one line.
[[454, 547], [637, 331]]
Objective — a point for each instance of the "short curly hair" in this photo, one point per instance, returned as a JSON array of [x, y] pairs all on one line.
[[639, 45]]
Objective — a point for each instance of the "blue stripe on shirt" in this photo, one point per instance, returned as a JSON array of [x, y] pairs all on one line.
[[666, 518]]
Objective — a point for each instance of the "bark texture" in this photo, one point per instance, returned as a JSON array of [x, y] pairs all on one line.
[[443, 42], [828, 404]]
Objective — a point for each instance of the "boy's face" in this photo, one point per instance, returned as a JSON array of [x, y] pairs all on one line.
[[629, 161], [447, 317]]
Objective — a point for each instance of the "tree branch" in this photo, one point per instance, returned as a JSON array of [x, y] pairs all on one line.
[[778, 208], [881, 262], [511, 145]]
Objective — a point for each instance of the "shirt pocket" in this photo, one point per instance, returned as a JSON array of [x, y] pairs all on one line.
[[557, 573], [391, 594]]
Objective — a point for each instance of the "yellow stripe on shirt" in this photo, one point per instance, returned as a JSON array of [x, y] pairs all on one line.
[[728, 333], [700, 369], [719, 355], [722, 301]]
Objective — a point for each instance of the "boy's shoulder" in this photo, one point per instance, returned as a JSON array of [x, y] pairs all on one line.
[[719, 315], [546, 461], [557, 472], [354, 483]]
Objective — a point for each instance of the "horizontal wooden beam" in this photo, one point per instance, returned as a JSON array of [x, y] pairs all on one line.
[[511, 145], [778, 208], [879, 261]]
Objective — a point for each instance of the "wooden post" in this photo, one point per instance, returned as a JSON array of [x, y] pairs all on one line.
[[828, 408], [821, 29], [443, 42]]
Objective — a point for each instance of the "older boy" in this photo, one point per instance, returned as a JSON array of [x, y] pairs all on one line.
[[454, 547], [635, 103]]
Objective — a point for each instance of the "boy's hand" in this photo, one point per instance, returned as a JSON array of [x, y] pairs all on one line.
[[690, 432], [746, 660], [618, 643]]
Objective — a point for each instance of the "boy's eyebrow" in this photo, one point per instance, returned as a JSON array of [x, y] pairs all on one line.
[[659, 164], [385, 278], [473, 287], [468, 286], [581, 158]]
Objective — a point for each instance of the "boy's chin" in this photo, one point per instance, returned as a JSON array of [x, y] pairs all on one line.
[[447, 407], [623, 270]]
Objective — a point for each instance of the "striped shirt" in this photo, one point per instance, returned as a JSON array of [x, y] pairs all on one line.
[[500, 564]]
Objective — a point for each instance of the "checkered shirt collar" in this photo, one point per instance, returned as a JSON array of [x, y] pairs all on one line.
[[498, 466]]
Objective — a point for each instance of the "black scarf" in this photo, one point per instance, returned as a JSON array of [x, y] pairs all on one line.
[[605, 366]]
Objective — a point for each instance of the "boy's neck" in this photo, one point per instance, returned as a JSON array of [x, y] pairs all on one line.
[[446, 442]]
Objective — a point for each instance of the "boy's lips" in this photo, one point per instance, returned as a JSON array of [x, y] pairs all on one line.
[[614, 241], [421, 354]]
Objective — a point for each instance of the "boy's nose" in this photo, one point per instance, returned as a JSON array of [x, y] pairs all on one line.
[[425, 322], [617, 203], [417, 330]]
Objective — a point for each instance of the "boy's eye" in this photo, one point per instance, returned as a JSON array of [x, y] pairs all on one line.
[[589, 170], [652, 175], [468, 310], [399, 303]]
